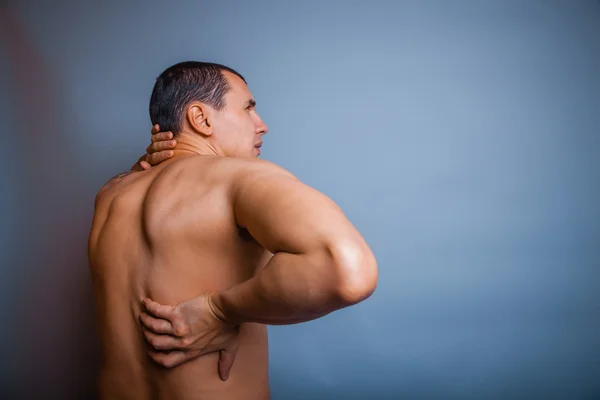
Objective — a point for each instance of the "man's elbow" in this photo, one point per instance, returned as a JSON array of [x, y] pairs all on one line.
[[357, 273]]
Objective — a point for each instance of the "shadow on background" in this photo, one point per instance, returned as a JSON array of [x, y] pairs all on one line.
[[53, 351]]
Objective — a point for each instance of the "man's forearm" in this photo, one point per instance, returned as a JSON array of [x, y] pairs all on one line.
[[290, 289]]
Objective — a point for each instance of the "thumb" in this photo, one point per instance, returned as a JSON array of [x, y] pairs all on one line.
[[145, 164], [226, 360]]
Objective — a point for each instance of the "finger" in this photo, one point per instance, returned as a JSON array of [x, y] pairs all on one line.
[[161, 146], [156, 325], [157, 158], [161, 136], [169, 360], [155, 129], [145, 165], [226, 360], [161, 342], [158, 310]]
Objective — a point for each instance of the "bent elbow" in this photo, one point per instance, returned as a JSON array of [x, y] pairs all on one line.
[[358, 274], [359, 284]]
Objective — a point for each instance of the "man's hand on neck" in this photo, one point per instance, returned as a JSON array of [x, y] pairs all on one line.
[[159, 150]]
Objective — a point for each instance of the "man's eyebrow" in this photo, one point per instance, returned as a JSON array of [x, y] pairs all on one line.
[[251, 103]]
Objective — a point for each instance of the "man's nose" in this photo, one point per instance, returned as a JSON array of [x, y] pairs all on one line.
[[261, 128]]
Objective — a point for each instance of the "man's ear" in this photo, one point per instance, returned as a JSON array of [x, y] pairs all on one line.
[[199, 120]]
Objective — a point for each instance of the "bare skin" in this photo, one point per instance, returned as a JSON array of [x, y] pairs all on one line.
[[200, 230], [145, 242]]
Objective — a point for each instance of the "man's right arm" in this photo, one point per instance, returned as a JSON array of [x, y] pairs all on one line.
[[320, 264], [159, 150]]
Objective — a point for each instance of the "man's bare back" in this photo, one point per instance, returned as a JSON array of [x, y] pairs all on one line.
[[194, 232], [169, 233]]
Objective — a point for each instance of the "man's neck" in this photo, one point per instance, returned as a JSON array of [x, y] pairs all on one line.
[[190, 143]]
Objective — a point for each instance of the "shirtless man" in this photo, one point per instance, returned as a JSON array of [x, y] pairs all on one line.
[[237, 242]]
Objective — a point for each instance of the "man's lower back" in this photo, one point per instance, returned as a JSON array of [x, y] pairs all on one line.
[[197, 379]]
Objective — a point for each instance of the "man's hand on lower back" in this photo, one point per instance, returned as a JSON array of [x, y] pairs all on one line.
[[188, 330]]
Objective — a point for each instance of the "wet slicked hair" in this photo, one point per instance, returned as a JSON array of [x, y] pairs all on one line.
[[183, 83]]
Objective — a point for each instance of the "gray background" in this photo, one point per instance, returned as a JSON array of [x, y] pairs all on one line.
[[462, 138]]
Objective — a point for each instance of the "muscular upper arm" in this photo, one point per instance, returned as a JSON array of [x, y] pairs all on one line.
[[285, 215]]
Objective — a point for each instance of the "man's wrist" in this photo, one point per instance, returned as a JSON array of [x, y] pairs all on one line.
[[215, 302]]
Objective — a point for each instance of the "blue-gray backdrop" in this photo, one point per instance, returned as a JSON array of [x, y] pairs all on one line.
[[462, 138]]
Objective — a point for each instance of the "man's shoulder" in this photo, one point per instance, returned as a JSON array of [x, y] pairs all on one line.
[[248, 166], [229, 167], [110, 187]]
